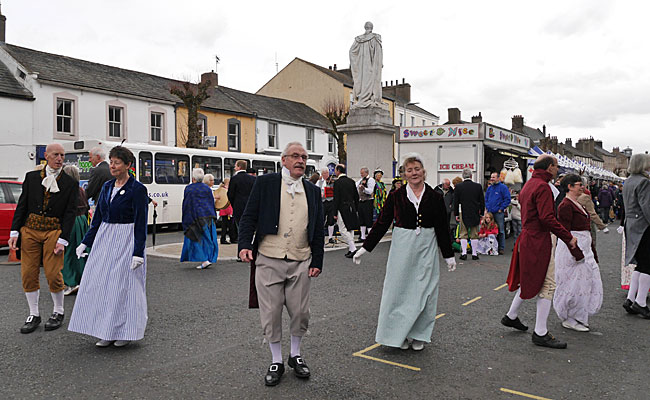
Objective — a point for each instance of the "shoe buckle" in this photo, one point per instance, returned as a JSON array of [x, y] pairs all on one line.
[[29, 319], [298, 360], [273, 368]]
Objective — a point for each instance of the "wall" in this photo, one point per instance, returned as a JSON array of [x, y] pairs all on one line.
[[429, 120], [218, 126], [16, 137]]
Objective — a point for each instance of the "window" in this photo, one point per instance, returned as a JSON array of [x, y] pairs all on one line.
[[234, 140], [145, 167], [201, 124], [412, 121], [263, 167], [273, 135], [16, 190], [210, 165], [424, 122], [172, 169], [310, 139], [401, 119], [331, 146], [64, 115], [115, 121], [156, 126], [229, 167]]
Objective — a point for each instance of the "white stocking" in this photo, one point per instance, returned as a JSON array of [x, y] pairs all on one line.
[[543, 309], [513, 313], [634, 286], [57, 298], [474, 246], [463, 246], [644, 286], [330, 231], [363, 232], [32, 300], [276, 351], [295, 345]]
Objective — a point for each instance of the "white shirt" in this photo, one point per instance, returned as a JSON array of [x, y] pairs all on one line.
[[370, 187]]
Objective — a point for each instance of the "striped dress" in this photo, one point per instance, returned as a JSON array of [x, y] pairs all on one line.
[[111, 303]]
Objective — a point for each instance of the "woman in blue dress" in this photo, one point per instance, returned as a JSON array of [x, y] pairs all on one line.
[[112, 302], [199, 223]]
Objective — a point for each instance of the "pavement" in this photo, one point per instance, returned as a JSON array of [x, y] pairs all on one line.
[[202, 341]]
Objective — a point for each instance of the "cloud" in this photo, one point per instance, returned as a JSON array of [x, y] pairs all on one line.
[[582, 17]]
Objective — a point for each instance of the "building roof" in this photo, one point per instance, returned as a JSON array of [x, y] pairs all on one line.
[[603, 152], [10, 87], [420, 110], [276, 109], [533, 133], [576, 152], [344, 75], [72, 71]]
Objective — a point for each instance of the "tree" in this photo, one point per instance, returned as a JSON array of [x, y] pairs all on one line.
[[337, 113], [192, 96]]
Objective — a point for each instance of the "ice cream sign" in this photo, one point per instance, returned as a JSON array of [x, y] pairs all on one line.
[[439, 132], [505, 136]]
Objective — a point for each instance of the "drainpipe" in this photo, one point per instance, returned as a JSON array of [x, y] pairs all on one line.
[[175, 127]]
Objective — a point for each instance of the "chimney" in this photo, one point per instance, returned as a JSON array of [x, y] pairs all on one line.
[[544, 129], [3, 26], [477, 118], [453, 115], [403, 81], [518, 123], [334, 67], [599, 143], [568, 142], [211, 76]]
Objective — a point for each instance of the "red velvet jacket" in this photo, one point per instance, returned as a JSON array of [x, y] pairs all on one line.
[[399, 210], [532, 251], [573, 219]]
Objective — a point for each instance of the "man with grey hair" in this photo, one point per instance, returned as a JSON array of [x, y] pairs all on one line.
[[100, 173], [447, 193], [469, 205], [326, 185], [366, 188]]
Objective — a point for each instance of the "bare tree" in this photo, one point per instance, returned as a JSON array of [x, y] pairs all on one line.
[[192, 96], [337, 113]]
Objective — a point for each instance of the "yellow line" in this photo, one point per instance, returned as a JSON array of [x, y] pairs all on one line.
[[374, 346], [530, 396], [471, 301], [387, 362], [500, 287], [440, 315]]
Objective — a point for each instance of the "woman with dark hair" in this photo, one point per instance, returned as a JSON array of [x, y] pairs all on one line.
[[579, 292], [410, 296], [73, 267], [112, 302]]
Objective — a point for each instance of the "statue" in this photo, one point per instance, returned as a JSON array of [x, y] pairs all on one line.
[[366, 62]]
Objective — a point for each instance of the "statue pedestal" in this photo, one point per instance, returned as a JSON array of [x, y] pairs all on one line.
[[370, 141]]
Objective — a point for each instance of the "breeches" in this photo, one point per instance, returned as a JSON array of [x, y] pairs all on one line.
[[281, 283], [464, 233], [548, 288], [37, 248], [330, 212]]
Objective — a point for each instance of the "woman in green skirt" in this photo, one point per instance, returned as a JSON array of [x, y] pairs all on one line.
[[73, 267]]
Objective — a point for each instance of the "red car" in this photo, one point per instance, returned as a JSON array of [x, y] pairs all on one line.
[[9, 194]]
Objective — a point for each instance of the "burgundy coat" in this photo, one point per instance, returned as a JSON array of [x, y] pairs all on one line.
[[532, 251], [399, 210], [574, 219]]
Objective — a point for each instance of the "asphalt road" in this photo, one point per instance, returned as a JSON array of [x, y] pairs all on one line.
[[203, 342]]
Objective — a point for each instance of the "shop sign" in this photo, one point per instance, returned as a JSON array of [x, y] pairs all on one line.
[[439, 132], [455, 166], [496, 134]]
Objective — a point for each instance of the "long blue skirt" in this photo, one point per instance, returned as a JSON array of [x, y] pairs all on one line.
[[207, 249]]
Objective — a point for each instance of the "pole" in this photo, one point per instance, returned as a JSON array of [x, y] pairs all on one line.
[[153, 238]]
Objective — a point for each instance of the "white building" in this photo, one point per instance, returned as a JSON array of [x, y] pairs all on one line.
[[46, 98]]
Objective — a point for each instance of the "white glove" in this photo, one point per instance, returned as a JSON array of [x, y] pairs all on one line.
[[80, 250], [620, 230], [606, 230], [451, 263], [137, 261], [357, 256]]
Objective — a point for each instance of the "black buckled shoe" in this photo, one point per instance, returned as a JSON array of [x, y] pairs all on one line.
[[548, 340], [463, 257], [627, 305], [299, 367], [513, 323], [350, 254], [274, 374], [474, 258], [31, 324], [54, 322], [644, 312]]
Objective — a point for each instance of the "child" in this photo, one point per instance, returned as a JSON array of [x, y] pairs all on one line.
[[487, 236]]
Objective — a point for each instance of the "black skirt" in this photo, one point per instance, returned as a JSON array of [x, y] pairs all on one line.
[[642, 254]]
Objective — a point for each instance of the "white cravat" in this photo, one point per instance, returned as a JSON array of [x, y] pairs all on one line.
[[410, 194], [555, 190], [49, 182], [293, 185]]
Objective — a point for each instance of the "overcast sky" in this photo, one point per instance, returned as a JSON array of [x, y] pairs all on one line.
[[580, 67]]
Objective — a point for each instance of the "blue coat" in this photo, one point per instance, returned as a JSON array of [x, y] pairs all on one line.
[[197, 202], [262, 216], [126, 208], [497, 197]]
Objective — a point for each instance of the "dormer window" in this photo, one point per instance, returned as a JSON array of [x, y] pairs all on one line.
[[21, 74]]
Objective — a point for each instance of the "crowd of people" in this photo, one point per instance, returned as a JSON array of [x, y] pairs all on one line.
[[280, 221]]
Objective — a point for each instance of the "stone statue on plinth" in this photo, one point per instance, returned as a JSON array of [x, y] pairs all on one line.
[[366, 62]]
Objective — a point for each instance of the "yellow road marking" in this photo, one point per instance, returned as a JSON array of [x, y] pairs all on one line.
[[500, 287], [374, 346], [440, 315], [387, 362], [530, 396], [471, 301]]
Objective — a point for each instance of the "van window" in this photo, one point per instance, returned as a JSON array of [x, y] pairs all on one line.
[[210, 165], [172, 169], [145, 165], [81, 161], [263, 167], [229, 167]]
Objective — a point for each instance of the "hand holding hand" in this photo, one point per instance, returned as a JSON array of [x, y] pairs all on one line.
[[620, 230], [137, 261], [246, 255], [357, 256], [451, 263], [80, 250]]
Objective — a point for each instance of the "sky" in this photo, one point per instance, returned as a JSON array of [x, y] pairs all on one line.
[[580, 67]]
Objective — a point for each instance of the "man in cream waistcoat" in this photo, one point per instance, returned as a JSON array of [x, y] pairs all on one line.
[[285, 215]]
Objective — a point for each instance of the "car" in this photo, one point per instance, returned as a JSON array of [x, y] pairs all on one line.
[[9, 194]]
